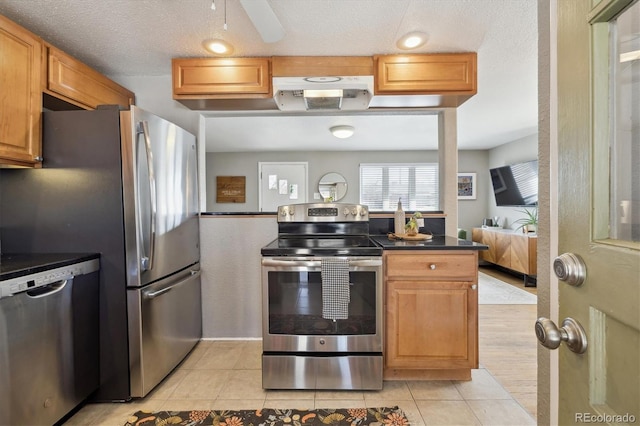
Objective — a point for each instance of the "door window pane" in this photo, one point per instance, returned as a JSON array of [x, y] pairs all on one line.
[[625, 125]]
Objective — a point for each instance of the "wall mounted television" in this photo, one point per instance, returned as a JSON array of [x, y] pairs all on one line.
[[516, 185]]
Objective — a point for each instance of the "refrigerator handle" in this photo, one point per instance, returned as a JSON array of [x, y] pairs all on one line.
[[147, 261], [154, 294]]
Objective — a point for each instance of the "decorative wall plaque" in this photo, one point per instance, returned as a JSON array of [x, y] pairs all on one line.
[[230, 189]]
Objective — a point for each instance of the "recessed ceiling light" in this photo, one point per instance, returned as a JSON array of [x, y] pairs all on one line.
[[342, 132], [218, 47], [412, 40]]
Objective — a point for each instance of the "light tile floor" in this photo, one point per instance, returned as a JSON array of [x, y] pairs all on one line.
[[227, 375]]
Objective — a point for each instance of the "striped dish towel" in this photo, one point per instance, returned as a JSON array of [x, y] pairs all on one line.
[[335, 288]]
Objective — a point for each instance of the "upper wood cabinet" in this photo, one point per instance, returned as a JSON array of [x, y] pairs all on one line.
[[439, 80], [29, 68], [20, 102], [450, 73], [71, 80], [321, 66], [221, 78]]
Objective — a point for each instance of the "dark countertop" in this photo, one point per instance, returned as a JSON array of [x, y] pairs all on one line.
[[238, 213], [438, 242], [18, 265], [273, 213]]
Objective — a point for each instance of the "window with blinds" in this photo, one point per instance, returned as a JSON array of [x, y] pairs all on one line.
[[526, 177], [415, 184]]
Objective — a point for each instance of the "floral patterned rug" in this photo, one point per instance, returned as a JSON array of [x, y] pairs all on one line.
[[387, 416]]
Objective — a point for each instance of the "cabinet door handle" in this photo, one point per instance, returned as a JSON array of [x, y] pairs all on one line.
[[432, 266]]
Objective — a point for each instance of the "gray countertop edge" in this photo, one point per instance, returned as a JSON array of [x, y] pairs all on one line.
[[15, 265]]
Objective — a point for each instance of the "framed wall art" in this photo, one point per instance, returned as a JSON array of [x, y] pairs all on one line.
[[466, 186], [230, 189]]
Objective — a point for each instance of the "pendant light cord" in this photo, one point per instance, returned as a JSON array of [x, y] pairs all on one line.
[[225, 15]]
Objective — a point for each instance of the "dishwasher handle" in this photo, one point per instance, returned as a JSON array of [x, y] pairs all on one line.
[[47, 290]]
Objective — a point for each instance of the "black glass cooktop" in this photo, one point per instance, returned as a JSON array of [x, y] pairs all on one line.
[[347, 245]]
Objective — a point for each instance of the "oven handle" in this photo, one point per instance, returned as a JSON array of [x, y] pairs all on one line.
[[316, 263]]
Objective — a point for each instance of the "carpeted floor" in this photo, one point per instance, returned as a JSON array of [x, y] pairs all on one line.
[[389, 416], [492, 291]]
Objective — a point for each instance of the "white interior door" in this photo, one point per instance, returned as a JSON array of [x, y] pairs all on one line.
[[598, 203], [282, 183]]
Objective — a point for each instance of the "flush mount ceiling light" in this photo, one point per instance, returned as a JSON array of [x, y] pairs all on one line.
[[218, 47], [342, 132], [412, 40], [215, 45]]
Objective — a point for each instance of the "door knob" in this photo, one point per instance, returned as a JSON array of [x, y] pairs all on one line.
[[571, 332], [570, 268]]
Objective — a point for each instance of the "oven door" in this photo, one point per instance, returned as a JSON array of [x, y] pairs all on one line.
[[292, 307]]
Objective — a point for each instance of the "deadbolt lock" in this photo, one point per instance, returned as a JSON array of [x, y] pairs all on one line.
[[570, 268]]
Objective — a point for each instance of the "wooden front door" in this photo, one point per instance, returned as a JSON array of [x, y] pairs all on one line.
[[598, 203]]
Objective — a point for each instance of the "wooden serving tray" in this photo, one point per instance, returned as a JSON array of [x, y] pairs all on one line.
[[417, 237]]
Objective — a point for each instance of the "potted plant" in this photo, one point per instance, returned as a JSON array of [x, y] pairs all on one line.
[[411, 228], [529, 223]]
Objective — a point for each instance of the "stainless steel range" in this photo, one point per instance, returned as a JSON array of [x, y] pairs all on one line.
[[322, 300]]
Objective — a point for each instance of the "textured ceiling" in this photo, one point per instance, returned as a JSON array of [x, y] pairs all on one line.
[[139, 38]]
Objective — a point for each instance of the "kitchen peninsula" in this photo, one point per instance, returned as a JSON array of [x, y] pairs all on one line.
[[236, 258], [431, 308]]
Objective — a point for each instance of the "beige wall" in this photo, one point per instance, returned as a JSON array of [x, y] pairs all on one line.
[[231, 274]]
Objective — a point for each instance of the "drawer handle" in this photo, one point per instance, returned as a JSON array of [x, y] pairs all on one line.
[[432, 266]]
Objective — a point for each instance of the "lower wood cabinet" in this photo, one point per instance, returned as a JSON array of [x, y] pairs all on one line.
[[431, 314]]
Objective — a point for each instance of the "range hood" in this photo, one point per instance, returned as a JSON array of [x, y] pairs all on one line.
[[340, 93]]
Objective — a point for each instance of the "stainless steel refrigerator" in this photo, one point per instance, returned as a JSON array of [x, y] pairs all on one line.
[[124, 184]]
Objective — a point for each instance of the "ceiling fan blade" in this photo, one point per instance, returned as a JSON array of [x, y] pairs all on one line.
[[264, 19]]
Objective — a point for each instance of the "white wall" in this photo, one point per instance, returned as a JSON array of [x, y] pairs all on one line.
[[155, 94], [471, 212], [320, 162]]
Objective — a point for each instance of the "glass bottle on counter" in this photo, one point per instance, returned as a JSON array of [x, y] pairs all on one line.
[[399, 219]]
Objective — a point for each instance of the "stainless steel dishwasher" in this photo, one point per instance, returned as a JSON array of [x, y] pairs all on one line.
[[49, 341]]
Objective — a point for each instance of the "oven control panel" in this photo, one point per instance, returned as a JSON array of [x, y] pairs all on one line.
[[323, 212]]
